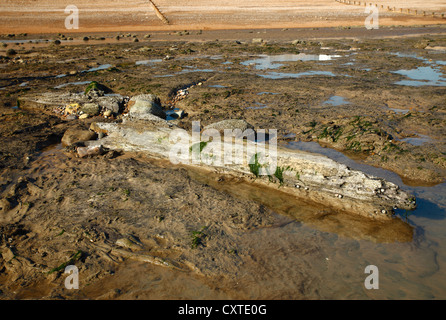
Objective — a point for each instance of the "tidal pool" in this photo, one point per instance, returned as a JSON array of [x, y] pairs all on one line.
[[412, 270], [422, 76], [265, 62], [417, 141], [336, 101]]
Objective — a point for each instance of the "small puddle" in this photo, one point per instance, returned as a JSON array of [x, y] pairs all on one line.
[[267, 93], [98, 68], [399, 111], [417, 141], [422, 76], [265, 62], [336, 101], [258, 106], [217, 86], [78, 83], [148, 62]]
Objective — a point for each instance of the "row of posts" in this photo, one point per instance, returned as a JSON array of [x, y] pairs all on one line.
[[409, 11]]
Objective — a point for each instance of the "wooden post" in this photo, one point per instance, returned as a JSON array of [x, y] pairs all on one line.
[[158, 12]]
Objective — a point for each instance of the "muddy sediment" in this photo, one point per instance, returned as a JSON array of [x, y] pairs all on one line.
[[121, 207]]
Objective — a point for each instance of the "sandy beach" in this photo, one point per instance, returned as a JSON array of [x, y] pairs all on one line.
[[43, 17]]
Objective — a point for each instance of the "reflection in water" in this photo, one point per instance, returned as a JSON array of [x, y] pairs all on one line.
[[314, 215], [265, 62]]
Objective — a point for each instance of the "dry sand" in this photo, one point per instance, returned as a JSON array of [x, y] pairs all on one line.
[[45, 17]]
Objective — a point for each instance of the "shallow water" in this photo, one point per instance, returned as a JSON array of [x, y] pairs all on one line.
[[422, 76], [76, 83], [336, 101], [258, 106], [413, 270], [417, 141], [98, 68]]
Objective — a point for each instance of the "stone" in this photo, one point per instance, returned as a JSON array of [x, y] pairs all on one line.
[[71, 117], [257, 40], [144, 105], [107, 113], [92, 109], [74, 135], [84, 116]]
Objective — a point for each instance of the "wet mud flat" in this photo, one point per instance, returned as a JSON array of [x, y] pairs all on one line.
[[121, 216]]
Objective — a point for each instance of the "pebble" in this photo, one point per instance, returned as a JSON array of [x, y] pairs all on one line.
[[89, 151], [84, 116]]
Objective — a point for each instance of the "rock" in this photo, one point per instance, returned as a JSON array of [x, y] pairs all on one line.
[[92, 109], [231, 124], [144, 105], [84, 116], [113, 103], [130, 243], [72, 108], [95, 89], [74, 135], [257, 40], [89, 151], [107, 113]]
